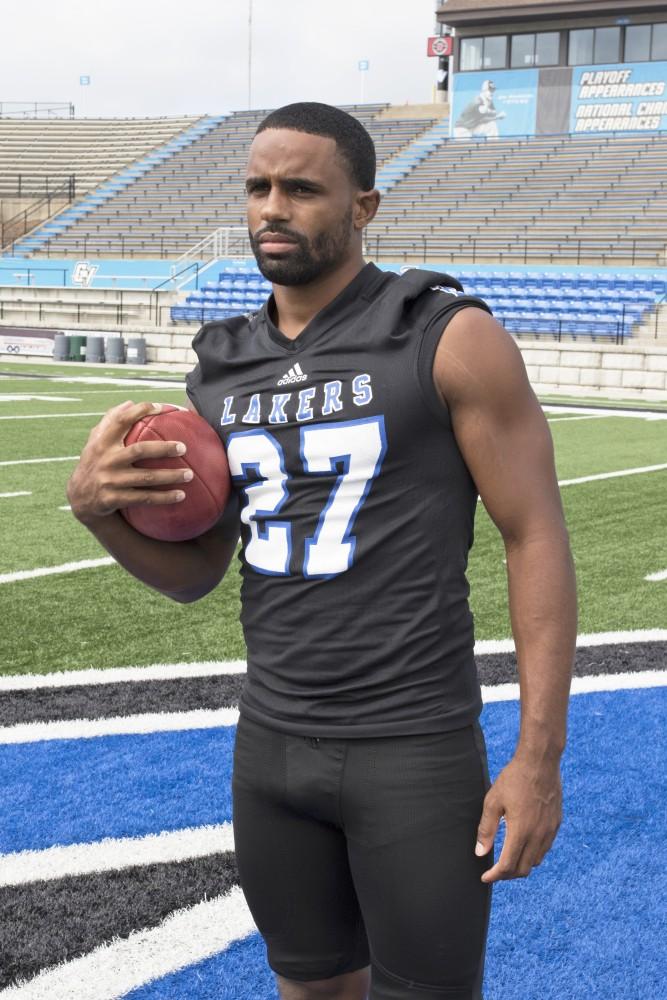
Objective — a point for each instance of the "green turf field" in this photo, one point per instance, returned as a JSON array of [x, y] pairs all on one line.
[[101, 617]]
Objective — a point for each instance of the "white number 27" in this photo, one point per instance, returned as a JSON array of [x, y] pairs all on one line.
[[354, 449]]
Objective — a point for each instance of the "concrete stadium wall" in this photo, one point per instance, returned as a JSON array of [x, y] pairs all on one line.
[[637, 371]]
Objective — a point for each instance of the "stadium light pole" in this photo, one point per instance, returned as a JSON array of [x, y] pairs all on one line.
[[249, 54]]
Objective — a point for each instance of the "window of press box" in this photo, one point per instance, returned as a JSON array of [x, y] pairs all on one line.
[[581, 47], [607, 47], [495, 52], [638, 43], [659, 43], [535, 50], [483, 53], [594, 45], [471, 53]]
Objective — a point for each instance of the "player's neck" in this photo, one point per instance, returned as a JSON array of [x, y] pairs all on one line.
[[296, 305]]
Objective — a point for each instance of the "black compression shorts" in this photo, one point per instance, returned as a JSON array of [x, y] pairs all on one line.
[[361, 851]]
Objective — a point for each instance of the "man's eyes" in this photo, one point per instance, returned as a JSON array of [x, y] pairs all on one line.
[[300, 189]]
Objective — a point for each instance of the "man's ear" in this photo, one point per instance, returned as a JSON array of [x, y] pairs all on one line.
[[365, 207]]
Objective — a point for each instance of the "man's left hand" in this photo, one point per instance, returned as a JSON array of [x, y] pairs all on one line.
[[529, 796]]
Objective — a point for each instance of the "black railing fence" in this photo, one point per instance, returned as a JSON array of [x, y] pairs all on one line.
[[638, 251]]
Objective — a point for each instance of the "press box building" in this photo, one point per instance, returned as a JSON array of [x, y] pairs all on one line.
[[540, 67]]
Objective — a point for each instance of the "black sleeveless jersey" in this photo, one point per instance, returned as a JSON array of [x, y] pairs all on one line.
[[356, 510]]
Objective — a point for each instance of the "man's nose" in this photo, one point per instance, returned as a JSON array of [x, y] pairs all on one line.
[[276, 206]]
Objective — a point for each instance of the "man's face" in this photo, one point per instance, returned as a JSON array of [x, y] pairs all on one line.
[[300, 206]]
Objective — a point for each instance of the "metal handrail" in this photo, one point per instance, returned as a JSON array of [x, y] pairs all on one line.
[[29, 187], [222, 242], [19, 224], [35, 109], [659, 302], [521, 250]]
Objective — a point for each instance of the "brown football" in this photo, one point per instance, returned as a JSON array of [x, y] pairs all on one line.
[[207, 492]]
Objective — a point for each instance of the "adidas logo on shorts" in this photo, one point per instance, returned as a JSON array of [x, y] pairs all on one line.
[[295, 374]]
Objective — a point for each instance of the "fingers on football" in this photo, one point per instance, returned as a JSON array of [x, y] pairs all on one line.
[[138, 478], [149, 498], [153, 449], [120, 418], [117, 421]]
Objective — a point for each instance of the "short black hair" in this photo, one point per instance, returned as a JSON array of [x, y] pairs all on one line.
[[353, 141]]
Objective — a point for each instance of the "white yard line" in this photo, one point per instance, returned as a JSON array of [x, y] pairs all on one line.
[[586, 685], [583, 416], [163, 722], [657, 577], [184, 938], [219, 668], [585, 639], [72, 567], [619, 474], [148, 383], [569, 420], [39, 397], [112, 854], [613, 475], [19, 493], [39, 461], [116, 675], [596, 411], [122, 725], [49, 416], [116, 392]]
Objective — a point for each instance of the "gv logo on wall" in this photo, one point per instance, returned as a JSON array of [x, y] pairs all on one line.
[[83, 273]]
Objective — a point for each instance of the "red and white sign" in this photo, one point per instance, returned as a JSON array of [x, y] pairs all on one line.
[[439, 45]]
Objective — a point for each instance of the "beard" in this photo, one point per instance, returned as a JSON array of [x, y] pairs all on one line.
[[309, 260]]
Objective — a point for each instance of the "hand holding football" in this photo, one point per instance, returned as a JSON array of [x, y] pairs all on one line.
[[207, 492]]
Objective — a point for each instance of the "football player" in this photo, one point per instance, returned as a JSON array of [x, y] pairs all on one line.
[[363, 414]]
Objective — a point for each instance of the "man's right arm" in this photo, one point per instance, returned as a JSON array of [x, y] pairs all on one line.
[[106, 480]]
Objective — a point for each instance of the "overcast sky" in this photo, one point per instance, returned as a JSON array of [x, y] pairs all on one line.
[[161, 57]]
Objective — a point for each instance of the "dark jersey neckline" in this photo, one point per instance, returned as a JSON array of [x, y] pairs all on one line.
[[362, 286]]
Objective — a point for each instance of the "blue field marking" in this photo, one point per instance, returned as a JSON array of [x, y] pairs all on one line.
[[72, 791], [588, 924]]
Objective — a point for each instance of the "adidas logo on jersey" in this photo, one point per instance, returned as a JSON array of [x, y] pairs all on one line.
[[295, 374]]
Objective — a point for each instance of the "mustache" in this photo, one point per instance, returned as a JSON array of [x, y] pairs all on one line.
[[278, 230]]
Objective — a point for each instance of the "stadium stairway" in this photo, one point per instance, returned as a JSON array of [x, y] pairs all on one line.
[[404, 162], [59, 224]]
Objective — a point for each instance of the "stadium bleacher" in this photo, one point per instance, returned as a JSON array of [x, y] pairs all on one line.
[[198, 189], [33, 151], [572, 200], [576, 199], [598, 305]]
